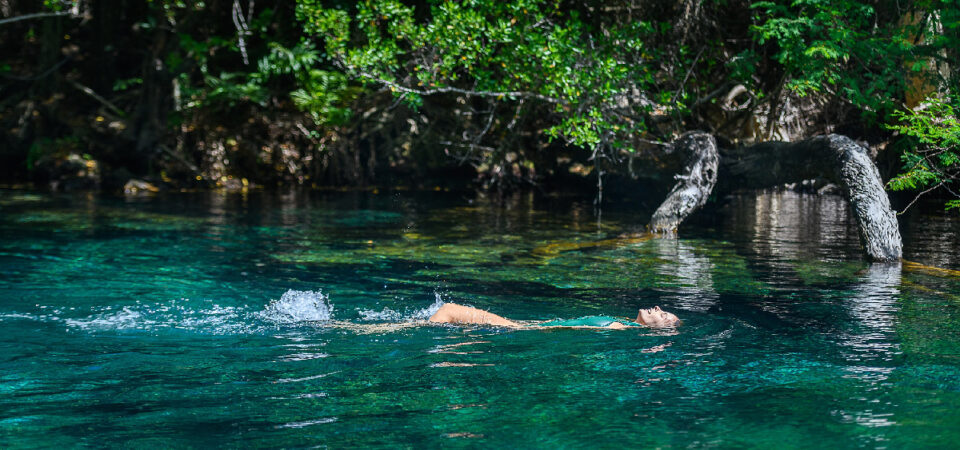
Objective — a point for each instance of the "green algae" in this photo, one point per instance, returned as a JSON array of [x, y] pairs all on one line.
[[583, 263], [120, 218], [929, 325], [816, 272]]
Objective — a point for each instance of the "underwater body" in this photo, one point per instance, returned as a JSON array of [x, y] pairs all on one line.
[[297, 319]]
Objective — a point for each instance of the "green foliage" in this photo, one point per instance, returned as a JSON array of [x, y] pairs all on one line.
[[833, 46], [876, 55], [933, 157], [605, 80], [323, 94], [44, 148], [867, 53], [502, 51], [284, 61], [124, 84], [507, 79], [59, 5]]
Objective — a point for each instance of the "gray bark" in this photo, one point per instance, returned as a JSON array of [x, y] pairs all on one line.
[[693, 186], [834, 157]]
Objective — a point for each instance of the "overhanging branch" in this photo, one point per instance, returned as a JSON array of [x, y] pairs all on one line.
[[452, 90], [35, 16]]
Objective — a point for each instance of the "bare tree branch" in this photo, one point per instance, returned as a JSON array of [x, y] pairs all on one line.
[[35, 16], [98, 98], [918, 198], [470, 146], [453, 90], [44, 74], [241, 24], [687, 76]]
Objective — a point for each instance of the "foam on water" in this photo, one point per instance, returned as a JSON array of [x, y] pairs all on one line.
[[126, 318], [292, 309], [308, 423], [17, 316], [182, 314], [389, 315], [386, 314], [179, 314]]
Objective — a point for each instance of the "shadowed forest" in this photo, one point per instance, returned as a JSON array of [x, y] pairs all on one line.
[[494, 95]]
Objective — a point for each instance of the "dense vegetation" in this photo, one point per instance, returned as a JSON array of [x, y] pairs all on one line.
[[502, 93]]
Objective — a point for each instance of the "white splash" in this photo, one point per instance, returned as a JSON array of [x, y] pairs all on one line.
[[389, 315], [299, 306], [425, 313]]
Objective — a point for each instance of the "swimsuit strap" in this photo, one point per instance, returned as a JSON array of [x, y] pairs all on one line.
[[587, 321]]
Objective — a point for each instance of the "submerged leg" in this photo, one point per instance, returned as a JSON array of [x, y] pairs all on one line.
[[454, 313]]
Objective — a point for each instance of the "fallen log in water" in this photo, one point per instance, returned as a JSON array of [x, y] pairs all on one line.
[[834, 157]]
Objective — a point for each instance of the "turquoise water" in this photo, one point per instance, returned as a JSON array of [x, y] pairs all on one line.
[[292, 321]]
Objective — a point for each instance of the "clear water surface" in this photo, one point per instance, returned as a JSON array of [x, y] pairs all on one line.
[[295, 320]]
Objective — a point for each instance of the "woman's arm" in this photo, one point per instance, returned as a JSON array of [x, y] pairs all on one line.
[[454, 313]]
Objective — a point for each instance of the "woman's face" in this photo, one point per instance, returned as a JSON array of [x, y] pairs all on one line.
[[655, 317]]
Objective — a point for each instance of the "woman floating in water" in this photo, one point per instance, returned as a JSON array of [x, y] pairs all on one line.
[[459, 314], [296, 306]]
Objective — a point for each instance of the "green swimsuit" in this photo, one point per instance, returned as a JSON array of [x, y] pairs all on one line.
[[588, 321]]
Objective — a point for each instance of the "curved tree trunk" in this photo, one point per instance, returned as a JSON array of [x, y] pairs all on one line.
[[834, 157], [693, 186]]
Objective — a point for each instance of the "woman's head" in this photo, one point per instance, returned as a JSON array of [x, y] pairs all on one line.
[[657, 318]]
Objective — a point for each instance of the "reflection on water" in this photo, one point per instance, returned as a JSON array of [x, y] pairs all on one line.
[[873, 304], [870, 346], [932, 237], [693, 283], [296, 320], [789, 226]]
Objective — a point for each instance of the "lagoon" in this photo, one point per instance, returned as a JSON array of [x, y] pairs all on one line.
[[223, 319]]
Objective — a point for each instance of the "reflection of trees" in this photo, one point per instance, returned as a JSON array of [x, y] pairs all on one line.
[[873, 305], [289, 208], [787, 226], [869, 345], [693, 287], [785, 230], [933, 239]]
